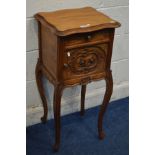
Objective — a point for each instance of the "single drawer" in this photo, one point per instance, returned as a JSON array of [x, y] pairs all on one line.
[[84, 61], [93, 37]]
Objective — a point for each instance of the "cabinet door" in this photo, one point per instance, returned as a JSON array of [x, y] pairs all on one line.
[[85, 61]]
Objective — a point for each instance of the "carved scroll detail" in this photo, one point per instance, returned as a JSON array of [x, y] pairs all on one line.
[[84, 60]]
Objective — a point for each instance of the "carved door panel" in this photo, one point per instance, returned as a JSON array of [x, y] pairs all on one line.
[[85, 61]]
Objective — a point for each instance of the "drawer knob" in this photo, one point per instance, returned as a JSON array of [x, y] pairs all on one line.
[[89, 37], [65, 65]]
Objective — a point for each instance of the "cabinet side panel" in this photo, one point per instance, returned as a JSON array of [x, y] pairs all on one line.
[[49, 50], [109, 56]]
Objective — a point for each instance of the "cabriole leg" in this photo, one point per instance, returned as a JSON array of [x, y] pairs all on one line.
[[83, 93], [38, 73], [56, 107], [108, 93]]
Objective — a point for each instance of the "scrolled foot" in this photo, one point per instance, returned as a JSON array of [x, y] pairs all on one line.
[[43, 120], [55, 147], [101, 135]]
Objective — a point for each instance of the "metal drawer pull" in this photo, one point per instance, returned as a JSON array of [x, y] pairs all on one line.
[[68, 53], [89, 36], [65, 65]]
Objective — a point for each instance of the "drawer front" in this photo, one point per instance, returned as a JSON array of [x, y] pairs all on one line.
[[97, 36], [85, 61]]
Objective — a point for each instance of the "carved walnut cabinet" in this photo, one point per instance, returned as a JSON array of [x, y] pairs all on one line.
[[75, 48]]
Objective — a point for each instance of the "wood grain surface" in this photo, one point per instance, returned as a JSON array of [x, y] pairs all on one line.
[[75, 48], [70, 21]]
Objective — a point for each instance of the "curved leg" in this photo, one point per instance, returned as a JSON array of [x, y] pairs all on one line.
[[108, 93], [41, 91], [56, 106], [83, 92]]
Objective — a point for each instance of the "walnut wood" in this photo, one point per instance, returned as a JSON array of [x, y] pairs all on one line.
[[87, 38], [49, 50], [109, 89], [83, 92], [70, 55], [71, 21], [56, 106], [95, 52], [41, 90]]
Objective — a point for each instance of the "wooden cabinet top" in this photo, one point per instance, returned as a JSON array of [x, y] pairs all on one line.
[[70, 21]]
